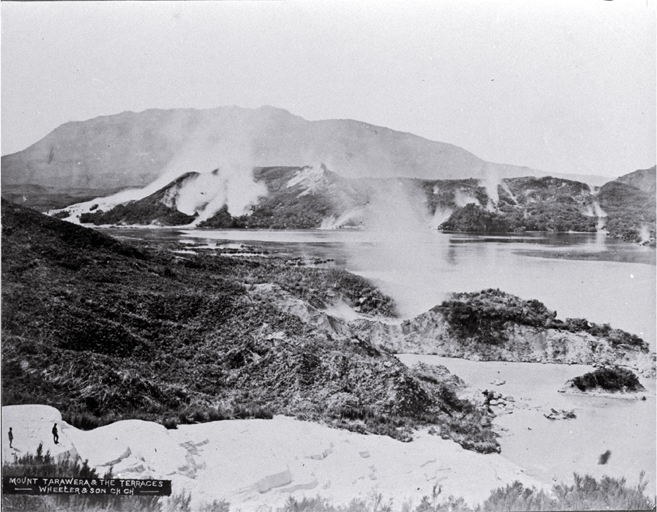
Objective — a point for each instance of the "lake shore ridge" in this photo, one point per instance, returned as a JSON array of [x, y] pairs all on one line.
[[314, 197]]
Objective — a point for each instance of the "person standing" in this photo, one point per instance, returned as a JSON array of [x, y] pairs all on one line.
[[55, 434], [11, 437]]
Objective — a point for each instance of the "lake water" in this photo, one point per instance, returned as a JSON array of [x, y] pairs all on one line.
[[552, 450], [578, 275]]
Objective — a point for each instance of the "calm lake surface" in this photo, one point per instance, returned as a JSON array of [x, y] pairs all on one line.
[[578, 275]]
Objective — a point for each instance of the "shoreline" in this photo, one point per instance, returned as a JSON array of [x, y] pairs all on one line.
[[553, 449]]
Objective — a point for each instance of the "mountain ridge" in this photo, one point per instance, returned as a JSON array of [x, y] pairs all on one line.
[[132, 149]]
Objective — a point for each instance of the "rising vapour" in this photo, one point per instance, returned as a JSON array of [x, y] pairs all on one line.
[[490, 183], [223, 160], [594, 210], [601, 214], [351, 217], [505, 187], [440, 216], [402, 249], [462, 198]]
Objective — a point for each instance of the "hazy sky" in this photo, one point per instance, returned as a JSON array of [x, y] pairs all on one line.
[[557, 86]]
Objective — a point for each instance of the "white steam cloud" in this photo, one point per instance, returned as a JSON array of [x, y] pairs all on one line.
[[594, 210], [490, 183], [224, 163], [440, 216], [505, 187], [588, 211], [350, 217], [601, 214], [399, 249], [462, 198]]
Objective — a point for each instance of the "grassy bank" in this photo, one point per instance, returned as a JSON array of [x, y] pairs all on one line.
[[103, 330]]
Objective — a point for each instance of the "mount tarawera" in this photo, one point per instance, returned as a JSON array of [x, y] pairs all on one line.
[[130, 149]]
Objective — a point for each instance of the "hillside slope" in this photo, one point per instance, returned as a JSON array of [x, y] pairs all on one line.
[[103, 330], [315, 197], [643, 179], [552, 204]]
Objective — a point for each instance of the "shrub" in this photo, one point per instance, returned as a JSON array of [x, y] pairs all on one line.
[[215, 506], [84, 420], [616, 337], [43, 465], [474, 218], [178, 503], [170, 423], [612, 378], [482, 315]]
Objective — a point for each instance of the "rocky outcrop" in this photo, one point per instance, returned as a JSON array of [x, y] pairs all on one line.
[[433, 333], [430, 333], [308, 314], [497, 327]]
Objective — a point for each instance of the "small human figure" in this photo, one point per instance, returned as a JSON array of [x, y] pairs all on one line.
[[488, 396], [55, 435], [11, 437]]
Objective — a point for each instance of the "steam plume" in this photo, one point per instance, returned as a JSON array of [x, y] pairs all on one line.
[[401, 247], [462, 198], [224, 161], [490, 183]]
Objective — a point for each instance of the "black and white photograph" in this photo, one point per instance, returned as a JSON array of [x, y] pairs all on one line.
[[328, 256]]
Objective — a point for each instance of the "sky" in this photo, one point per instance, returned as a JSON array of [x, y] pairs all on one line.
[[559, 86]]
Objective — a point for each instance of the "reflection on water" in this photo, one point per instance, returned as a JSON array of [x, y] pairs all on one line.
[[578, 275]]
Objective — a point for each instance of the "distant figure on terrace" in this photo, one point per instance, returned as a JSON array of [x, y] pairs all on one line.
[[11, 437], [55, 435]]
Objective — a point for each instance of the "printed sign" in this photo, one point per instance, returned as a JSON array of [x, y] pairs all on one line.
[[36, 485]]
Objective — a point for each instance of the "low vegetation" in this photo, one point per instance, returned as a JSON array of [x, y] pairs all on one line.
[[483, 316], [527, 204], [585, 493], [474, 218], [520, 204], [137, 213], [555, 217], [44, 465], [105, 331], [608, 378], [550, 204], [631, 212]]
